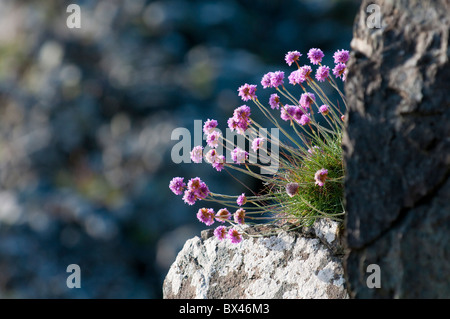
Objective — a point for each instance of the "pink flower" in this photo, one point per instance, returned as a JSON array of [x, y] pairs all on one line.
[[292, 56], [300, 75], [239, 155], [274, 101], [209, 126], [272, 79], [315, 56], [292, 189], [189, 197], [298, 113], [240, 120], [247, 92], [197, 154], [324, 109], [194, 183], [239, 216], [320, 176], [277, 79], [341, 56], [223, 215], [202, 192], [343, 118], [213, 139], [266, 80], [198, 188], [206, 215], [177, 185], [243, 112], [241, 200], [340, 71], [306, 99], [211, 156], [257, 143], [220, 232], [234, 236], [218, 164], [294, 77], [287, 112], [305, 119], [322, 73]]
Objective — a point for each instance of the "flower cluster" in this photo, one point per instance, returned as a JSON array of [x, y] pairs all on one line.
[[240, 120], [309, 183], [195, 190]]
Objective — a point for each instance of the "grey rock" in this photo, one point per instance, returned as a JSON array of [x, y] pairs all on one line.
[[279, 265], [397, 151]]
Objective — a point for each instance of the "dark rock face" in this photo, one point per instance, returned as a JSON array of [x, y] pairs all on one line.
[[397, 151]]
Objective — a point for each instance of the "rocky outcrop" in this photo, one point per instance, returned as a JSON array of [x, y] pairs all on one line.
[[397, 150], [306, 264]]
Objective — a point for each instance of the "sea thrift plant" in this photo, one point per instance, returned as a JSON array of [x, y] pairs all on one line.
[[309, 181]]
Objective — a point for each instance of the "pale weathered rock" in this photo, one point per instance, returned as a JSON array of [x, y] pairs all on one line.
[[286, 265]]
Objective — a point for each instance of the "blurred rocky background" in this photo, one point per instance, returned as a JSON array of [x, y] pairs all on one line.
[[86, 117]]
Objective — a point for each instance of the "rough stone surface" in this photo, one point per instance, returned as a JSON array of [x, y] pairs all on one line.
[[397, 151], [286, 265]]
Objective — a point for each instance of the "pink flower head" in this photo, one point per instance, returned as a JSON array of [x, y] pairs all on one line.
[[247, 92], [234, 236], [239, 155], [341, 56], [218, 164], [298, 113], [340, 71], [223, 215], [274, 101], [241, 200], [266, 80], [194, 183], [257, 143], [294, 77], [343, 118], [300, 75], [320, 176], [292, 56], [211, 156], [189, 197], [198, 188], [220, 232], [292, 189], [232, 123], [239, 216], [277, 79], [177, 185], [305, 71], [206, 215], [306, 99], [315, 56], [197, 154], [305, 119], [213, 139], [324, 109], [243, 112], [287, 112], [322, 73], [203, 191], [209, 126], [240, 120]]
